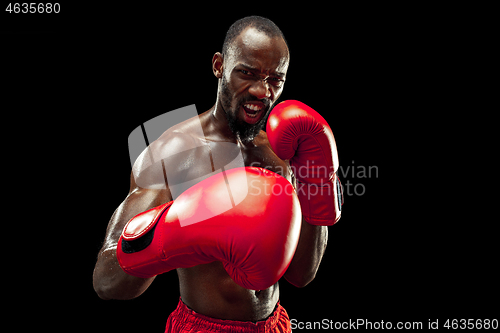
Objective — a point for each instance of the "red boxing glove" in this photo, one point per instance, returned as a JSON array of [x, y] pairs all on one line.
[[248, 218], [298, 133]]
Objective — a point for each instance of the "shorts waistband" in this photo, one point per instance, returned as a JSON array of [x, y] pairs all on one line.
[[184, 316]]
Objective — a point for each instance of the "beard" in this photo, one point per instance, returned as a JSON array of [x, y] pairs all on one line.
[[244, 131]]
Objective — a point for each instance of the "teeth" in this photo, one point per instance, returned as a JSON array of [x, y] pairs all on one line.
[[253, 107]]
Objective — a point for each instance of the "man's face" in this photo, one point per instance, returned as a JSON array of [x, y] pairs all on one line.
[[254, 72]]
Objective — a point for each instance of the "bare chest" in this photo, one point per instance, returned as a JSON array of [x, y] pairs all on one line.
[[214, 157]]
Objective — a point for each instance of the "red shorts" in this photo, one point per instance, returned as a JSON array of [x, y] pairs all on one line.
[[185, 320]]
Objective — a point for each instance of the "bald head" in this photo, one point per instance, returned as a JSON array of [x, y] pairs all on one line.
[[259, 23]]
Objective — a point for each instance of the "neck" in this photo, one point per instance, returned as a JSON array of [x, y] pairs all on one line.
[[221, 125]]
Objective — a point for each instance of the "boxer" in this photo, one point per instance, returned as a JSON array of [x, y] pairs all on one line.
[[226, 285]]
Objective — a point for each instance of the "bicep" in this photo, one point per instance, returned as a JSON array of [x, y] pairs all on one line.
[[137, 201]]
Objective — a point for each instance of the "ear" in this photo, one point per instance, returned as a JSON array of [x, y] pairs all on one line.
[[218, 64]]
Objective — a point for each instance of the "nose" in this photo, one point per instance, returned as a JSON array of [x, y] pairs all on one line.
[[260, 89]]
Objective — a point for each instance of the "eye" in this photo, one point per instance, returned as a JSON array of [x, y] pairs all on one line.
[[276, 81], [245, 72]]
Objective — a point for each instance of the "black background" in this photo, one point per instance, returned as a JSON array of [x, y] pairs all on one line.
[[80, 81]]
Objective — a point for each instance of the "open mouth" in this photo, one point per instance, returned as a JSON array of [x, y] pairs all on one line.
[[252, 109]]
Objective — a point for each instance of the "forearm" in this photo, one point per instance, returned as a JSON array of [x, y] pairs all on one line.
[[111, 282], [310, 249]]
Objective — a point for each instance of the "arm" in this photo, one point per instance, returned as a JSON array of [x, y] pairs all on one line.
[[110, 281], [300, 134], [305, 263], [310, 249]]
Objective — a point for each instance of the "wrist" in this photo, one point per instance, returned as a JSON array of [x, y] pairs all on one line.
[[321, 203]]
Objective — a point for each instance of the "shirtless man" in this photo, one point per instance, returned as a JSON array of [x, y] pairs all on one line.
[[251, 72]]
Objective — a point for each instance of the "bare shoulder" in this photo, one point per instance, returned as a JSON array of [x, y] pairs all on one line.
[[182, 135], [168, 155]]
